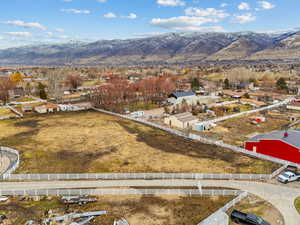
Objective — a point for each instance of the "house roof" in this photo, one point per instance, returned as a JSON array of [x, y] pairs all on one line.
[[183, 94], [293, 137], [185, 117]]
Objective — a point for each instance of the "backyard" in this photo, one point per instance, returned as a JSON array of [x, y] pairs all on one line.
[[239, 129], [95, 142], [147, 210]]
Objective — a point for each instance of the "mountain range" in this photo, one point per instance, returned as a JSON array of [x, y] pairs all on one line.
[[168, 48]]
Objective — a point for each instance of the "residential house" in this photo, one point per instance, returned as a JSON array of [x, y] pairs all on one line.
[[181, 120], [294, 105], [233, 94], [178, 97], [252, 102], [46, 108]]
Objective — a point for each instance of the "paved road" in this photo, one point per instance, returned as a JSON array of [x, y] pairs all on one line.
[[4, 163], [281, 197]]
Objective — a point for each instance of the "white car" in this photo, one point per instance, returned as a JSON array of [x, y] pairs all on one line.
[[288, 177]]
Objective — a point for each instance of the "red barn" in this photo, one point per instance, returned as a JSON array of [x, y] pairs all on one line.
[[279, 144]]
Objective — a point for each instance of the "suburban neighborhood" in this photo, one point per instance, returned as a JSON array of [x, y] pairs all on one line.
[[157, 112]]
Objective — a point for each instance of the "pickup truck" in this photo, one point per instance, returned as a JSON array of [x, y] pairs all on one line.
[[247, 219], [288, 176]]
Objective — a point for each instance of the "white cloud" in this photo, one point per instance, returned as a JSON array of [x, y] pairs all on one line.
[[20, 23], [223, 5], [266, 5], [50, 34], [67, 0], [110, 15], [182, 22], [244, 6], [76, 11], [102, 1], [19, 34], [60, 30], [199, 12], [170, 2], [131, 16], [244, 18]]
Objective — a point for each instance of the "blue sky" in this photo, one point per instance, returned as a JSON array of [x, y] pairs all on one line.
[[24, 22]]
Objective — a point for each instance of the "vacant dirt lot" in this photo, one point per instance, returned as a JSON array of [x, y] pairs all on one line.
[[95, 142], [259, 207], [147, 210], [237, 130]]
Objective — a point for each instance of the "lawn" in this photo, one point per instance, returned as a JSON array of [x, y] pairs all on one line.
[[147, 210], [95, 142], [297, 204], [237, 130], [25, 99]]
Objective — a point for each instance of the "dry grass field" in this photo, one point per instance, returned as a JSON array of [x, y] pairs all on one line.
[[237, 130], [6, 112], [146, 210], [259, 207], [95, 142]]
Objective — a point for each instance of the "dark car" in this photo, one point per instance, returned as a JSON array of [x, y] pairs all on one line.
[[247, 218]]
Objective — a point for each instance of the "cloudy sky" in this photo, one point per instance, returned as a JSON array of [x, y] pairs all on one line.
[[24, 22]]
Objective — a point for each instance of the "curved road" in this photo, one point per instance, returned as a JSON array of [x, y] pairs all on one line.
[[280, 196], [4, 163]]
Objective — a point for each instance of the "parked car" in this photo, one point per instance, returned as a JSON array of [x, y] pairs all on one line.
[[288, 176], [247, 218]]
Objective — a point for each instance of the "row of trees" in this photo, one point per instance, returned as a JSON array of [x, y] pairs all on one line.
[[119, 92]]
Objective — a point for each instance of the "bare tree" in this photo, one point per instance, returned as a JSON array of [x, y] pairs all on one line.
[[6, 85], [74, 81]]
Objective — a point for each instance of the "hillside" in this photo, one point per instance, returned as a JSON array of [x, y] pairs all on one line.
[[168, 48]]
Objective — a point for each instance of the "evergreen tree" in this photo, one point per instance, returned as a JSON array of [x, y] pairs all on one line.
[[195, 84], [281, 84], [226, 84]]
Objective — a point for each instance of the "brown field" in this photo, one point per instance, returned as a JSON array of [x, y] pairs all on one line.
[[237, 130], [259, 207], [95, 142], [147, 210]]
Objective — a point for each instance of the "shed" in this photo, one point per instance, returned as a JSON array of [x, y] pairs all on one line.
[[181, 120]]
